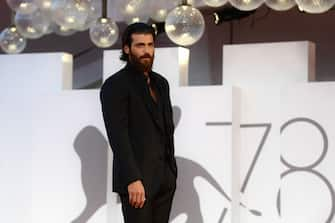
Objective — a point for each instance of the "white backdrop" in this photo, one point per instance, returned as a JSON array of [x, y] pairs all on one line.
[[54, 162], [308, 153]]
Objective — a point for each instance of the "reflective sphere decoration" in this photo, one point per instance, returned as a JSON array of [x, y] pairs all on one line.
[[71, 14], [11, 41], [45, 5], [280, 5], [48, 31], [135, 11], [32, 26], [215, 3], [185, 25], [160, 9], [315, 6], [159, 15], [104, 33], [94, 12], [22, 6], [246, 5], [137, 18], [61, 31]]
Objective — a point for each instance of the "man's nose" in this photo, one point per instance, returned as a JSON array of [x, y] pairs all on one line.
[[147, 49]]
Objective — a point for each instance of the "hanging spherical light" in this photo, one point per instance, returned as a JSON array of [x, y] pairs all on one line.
[[45, 5], [60, 30], [22, 6], [185, 25], [159, 15], [71, 14], [280, 5], [94, 13], [135, 11], [246, 5], [160, 9], [11, 41], [315, 6], [104, 33], [48, 30], [32, 26], [215, 3]]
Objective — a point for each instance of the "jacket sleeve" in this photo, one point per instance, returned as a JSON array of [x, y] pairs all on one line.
[[171, 128], [114, 102], [170, 108]]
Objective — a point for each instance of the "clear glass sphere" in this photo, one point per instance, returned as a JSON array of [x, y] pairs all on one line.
[[49, 30], [104, 33], [315, 6], [45, 5], [184, 25], [22, 6], [32, 26], [11, 41], [70, 13], [94, 12], [246, 5], [280, 5], [60, 30], [159, 15], [135, 11], [135, 19], [215, 3], [160, 9]]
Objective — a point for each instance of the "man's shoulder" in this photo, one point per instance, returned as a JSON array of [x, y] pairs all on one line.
[[116, 80], [160, 78]]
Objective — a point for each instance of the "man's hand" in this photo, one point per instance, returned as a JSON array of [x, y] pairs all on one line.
[[136, 194]]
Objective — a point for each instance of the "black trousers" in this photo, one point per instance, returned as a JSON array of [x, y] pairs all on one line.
[[156, 209]]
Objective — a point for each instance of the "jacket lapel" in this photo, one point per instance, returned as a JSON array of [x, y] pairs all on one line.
[[143, 91]]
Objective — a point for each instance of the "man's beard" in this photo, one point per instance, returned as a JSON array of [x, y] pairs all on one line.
[[142, 65]]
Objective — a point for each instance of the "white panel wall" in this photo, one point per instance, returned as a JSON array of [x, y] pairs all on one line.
[[260, 152], [23, 79], [44, 165], [54, 163], [308, 153], [203, 139], [261, 70], [265, 64]]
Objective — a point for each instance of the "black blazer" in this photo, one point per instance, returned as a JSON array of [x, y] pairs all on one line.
[[134, 131]]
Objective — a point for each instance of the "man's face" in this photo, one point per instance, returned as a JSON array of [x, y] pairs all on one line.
[[141, 52]]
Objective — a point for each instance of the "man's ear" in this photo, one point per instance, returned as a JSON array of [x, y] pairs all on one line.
[[126, 49]]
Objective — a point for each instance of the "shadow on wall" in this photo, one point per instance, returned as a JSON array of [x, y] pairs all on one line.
[[186, 199], [91, 147]]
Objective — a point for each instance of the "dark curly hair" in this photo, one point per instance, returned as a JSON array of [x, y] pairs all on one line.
[[138, 28]]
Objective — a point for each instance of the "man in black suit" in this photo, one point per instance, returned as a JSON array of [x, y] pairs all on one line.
[[138, 115]]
